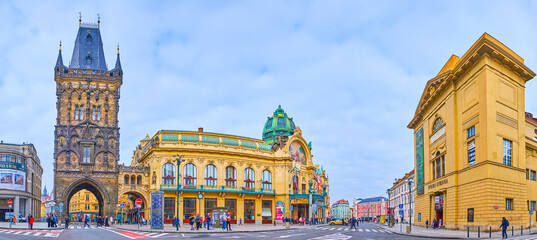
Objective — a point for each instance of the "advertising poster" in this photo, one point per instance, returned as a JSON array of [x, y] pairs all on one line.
[[12, 176], [419, 162], [157, 210], [280, 210]]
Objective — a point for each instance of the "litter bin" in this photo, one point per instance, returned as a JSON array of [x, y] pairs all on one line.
[[407, 229], [287, 224]]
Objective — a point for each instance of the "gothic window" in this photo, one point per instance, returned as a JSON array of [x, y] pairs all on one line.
[[231, 176], [76, 112], [88, 60], [139, 180], [438, 123], [86, 154], [210, 175], [266, 179], [94, 115], [249, 178], [98, 113], [126, 179], [81, 112], [133, 179], [190, 174], [168, 173]]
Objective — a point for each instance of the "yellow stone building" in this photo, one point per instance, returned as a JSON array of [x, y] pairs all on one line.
[[83, 203], [475, 146], [252, 180]]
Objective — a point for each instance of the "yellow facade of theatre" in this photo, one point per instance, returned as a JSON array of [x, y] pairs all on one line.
[[481, 93], [83, 203], [203, 149]]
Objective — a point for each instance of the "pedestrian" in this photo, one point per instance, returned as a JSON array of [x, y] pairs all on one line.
[[66, 222], [208, 221], [240, 221], [191, 219], [173, 221], [228, 220], [55, 221], [223, 220], [30, 221], [198, 221], [427, 224], [504, 226], [106, 222], [86, 219], [434, 224]]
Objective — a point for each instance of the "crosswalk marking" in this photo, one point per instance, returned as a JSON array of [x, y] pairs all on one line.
[[373, 230], [367, 230]]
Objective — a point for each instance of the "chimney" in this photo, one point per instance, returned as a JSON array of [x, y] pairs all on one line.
[[200, 129]]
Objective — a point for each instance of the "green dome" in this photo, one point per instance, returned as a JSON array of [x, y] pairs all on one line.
[[277, 125]]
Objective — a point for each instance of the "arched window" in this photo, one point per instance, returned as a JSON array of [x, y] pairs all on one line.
[[249, 178], [190, 174], [133, 179], [295, 184], [231, 177], [126, 179], [168, 173], [210, 175], [139, 180], [266, 179], [438, 123]]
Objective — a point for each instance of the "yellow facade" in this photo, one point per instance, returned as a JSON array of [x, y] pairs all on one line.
[[83, 203], [262, 176], [475, 107]]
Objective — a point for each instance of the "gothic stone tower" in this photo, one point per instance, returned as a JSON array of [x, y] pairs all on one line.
[[86, 135]]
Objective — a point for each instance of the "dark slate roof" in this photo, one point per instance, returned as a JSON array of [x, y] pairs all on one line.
[[374, 199], [118, 63], [59, 62], [88, 52]]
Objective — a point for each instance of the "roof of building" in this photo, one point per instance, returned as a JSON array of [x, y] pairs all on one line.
[[277, 124], [405, 177], [88, 52], [530, 116], [373, 199]]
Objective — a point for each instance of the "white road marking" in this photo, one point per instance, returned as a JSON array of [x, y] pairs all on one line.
[[360, 230], [373, 230], [286, 236], [367, 230]]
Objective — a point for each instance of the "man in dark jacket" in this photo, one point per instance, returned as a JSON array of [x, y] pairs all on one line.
[[504, 226], [198, 221]]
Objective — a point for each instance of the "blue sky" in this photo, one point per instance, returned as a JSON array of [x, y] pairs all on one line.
[[350, 73]]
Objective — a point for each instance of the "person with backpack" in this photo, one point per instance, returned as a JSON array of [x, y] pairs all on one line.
[[504, 226], [228, 220], [191, 219]]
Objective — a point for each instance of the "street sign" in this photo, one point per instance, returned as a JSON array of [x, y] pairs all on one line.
[[122, 205], [200, 196], [61, 208], [10, 202], [400, 205], [400, 212], [56, 208], [138, 201], [61, 204]]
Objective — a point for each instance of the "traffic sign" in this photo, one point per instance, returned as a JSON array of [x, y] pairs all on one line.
[[400, 205], [61, 208], [138, 201], [531, 212], [10, 202], [400, 212], [200, 196], [61, 204], [56, 208], [122, 205]]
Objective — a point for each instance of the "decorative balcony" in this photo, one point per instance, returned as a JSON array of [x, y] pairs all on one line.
[[217, 188]]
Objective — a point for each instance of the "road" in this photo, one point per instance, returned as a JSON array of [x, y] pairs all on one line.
[[365, 231]]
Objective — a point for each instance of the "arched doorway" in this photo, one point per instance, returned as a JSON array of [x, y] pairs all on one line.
[[84, 204], [88, 187], [130, 212]]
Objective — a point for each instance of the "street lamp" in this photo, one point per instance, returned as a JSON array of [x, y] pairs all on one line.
[[179, 159], [410, 181], [389, 203]]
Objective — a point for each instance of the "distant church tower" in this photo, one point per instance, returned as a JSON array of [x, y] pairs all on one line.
[[86, 135]]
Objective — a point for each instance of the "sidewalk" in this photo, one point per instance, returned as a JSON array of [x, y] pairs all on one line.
[[452, 234], [185, 228], [24, 225]]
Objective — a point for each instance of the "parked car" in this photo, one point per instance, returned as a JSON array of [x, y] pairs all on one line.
[[22, 218], [336, 222]]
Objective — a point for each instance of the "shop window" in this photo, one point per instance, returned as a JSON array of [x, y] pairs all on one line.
[[471, 153], [249, 209], [210, 175], [266, 211], [168, 173], [508, 204], [231, 205], [507, 154], [210, 204], [189, 207], [231, 177], [190, 174], [169, 207]]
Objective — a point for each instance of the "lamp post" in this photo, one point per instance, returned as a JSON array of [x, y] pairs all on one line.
[[324, 208], [389, 210], [179, 159], [410, 181]]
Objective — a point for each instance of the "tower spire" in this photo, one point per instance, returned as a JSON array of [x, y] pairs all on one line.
[[79, 19], [118, 62], [59, 61], [98, 20]]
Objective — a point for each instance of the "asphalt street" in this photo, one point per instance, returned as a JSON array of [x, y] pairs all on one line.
[[364, 231]]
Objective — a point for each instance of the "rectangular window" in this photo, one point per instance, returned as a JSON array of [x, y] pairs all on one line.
[[189, 207], [76, 112], [434, 176], [98, 113], [86, 155], [471, 132], [81, 112], [527, 173], [438, 168], [443, 166], [508, 204], [87, 197], [94, 114], [471, 153], [95, 207], [507, 155], [169, 207], [532, 206], [249, 209], [231, 205], [266, 211], [532, 175], [210, 204]]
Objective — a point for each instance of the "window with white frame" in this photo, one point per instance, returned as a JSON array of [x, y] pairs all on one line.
[[190, 174], [249, 178], [508, 204], [210, 175], [507, 152], [86, 157], [471, 153], [266, 179]]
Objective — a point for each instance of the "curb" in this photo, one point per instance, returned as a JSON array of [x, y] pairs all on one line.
[[215, 232], [420, 236], [2, 228]]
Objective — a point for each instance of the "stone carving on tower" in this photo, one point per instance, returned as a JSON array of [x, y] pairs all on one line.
[[86, 135]]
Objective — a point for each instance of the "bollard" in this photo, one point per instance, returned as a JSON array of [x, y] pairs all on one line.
[[490, 232], [478, 232], [468, 232], [521, 233], [512, 231]]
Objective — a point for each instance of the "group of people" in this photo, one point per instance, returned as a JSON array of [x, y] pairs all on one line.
[[52, 220], [435, 224], [304, 221]]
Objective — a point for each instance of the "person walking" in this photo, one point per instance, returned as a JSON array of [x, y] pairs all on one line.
[[240, 221], [223, 220], [30, 221], [198, 221], [434, 224], [106, 222], [66, 222], [228, 220], [86, 219], [427, 224], [208, 221], [191, 220], [504, 226]]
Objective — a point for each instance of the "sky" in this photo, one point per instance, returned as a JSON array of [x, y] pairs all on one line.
[[350, 73]]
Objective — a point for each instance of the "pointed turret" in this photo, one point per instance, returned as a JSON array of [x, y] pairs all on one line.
[[118, 62], [59, 61], [88, 52]]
